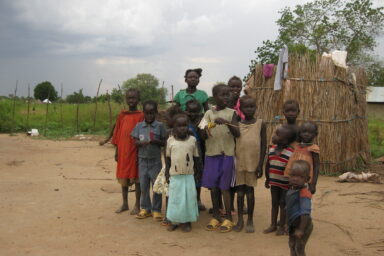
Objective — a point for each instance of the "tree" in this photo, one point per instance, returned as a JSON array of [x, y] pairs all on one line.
[[42, 90], [77, 97], [326, 25], [147, 84], [117, 96]]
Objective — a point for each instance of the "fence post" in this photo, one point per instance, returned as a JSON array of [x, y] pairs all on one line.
[[28, 106], [46, 113], [110, 109], [97, 95], [13, 109]]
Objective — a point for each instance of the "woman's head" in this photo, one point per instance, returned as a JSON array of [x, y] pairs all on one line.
[[192, 77]]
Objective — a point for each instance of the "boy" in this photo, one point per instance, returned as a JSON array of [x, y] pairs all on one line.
[[150, 136], [126, 150], [299, 208]]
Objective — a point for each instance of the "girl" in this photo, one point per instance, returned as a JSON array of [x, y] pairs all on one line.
[[182, 158], [235, 84], [221, 129], [250, 153], [278, 157], [307, 151], [192, 78]]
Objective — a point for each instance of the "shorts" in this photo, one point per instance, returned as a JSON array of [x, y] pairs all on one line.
[[218, 172]]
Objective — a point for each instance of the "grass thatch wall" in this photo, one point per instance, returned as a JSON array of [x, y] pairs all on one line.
[[325, 96]]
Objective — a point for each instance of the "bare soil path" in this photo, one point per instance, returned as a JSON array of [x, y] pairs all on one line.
[[59, 198]]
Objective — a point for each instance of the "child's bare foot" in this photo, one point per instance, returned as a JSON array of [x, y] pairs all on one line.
[[271, 229], [135, 211], [280, 231], [239, 226], [201, 206], [249, 228], [122, 208], [187, 227], [172, 227]]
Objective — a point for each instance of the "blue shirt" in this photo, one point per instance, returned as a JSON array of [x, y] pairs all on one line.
[[147, 132], [298, 202]]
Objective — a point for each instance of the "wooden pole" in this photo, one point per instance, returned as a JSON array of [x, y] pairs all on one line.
[[77, 117], [13, 108], [97, 95], [110, 109], [46, 113], [172, 92], [61, 105], [29, 101]]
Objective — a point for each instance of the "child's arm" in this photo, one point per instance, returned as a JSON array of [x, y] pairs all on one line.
[[316, 167], [167, 167], [299, 231], [101, 143], [233, 126], [163, 136], [198, 168], [263, 149], [205, 106], [267, 174], [160, 143]]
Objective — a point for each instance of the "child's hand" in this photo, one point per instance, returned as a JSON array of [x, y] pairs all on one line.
[[116, 157], [220, 120], [207, 131], [298, 233], [312, 188], [166, 174], [267, 183], [259, 172]]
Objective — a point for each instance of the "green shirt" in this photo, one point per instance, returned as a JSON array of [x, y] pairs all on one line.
[[182, 97]]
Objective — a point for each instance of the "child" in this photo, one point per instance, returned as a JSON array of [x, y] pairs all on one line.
[[192, 78], [193, 110], [181, 157], [250, 153], [291, 110], [126, 150], [221, 129], [150, 137], [299, 208], [307, 151], [278, 157], [235, 84]]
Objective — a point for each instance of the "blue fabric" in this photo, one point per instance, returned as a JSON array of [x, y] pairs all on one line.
[[148, 171], [296, 206], [182, 201], [142, 132]]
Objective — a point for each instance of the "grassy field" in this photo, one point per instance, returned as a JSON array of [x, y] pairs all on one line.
[[68, 126]]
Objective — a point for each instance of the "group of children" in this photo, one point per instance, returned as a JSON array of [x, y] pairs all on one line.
[[222, 149]]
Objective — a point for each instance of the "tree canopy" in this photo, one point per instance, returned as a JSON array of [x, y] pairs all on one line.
[[42, 90], [147, 84], [78, 97], [326, 25]]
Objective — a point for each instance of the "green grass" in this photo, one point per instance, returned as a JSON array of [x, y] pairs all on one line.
[[376, 136]]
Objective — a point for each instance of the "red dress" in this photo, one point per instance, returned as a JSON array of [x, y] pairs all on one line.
[[126, 148]]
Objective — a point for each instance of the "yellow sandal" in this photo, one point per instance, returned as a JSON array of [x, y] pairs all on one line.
[[228, 225], [212, 224], [157, 216], [143, 214]]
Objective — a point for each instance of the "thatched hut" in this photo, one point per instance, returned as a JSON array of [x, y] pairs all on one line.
[[331, 96]]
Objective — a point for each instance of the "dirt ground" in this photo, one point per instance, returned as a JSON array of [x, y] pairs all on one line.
[[59, 198]]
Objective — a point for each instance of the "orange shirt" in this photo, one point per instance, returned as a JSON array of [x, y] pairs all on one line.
[[126, 148]]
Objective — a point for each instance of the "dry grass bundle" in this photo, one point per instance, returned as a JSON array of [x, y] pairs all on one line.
[[328, 96]]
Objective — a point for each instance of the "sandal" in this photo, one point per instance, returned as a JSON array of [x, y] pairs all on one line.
[[166, 223], [227, 225], [143, 214], [212, 224], [157, 216]]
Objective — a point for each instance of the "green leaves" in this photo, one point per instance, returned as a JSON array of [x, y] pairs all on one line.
[[42, 90]]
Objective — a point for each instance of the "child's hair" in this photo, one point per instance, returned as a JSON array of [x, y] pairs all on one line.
[[292, 132], [175, 117], [152, 103], [291, 102], [235, 78], [312, 124], [193, 102], [247, 97], [302, 166], [135, 90], [197, 70], [218, 87], [170, 113]]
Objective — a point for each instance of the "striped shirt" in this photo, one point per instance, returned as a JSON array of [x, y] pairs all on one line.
[[277, 164]]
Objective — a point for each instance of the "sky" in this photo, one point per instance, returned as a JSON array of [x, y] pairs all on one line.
[[75, 43]]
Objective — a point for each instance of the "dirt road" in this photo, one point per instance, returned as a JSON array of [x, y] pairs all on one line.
[[59, 198]]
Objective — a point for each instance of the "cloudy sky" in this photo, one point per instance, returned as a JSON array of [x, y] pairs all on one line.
[[76, 43]]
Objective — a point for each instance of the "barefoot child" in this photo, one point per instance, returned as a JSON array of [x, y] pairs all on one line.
[[192, 78], [307, 151], [150, 137], [299, 208], [250, 153], [221, 129], [193, 110], [126, 150], [278, 157], [182, 159]]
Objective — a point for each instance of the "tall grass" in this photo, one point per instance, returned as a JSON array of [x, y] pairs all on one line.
[[376, 136]]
